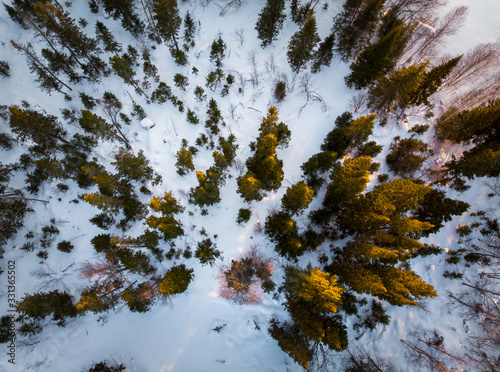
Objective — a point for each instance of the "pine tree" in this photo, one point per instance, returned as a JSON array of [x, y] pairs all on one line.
[[250, 187], [218, 51], [432, 81], [406, 156], [376, 59], [189, 30], [123, 68], [104, 35], [316, 166], [133, 167], [270, 21], [348, 180], [282, 230], [168, 21], [302, 43], [94, 124], [270, 125], [291, 341], [323, 56], [44, 130], [398, 90], [124, 9], [168, 207], [297, 198], [348, 133], [56, 25], [268, 169], [176, 280], [45, 77], [479, 127], [355, 26], [42, 304]]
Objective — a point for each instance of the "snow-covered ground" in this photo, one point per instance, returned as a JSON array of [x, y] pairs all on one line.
[[179, 336]]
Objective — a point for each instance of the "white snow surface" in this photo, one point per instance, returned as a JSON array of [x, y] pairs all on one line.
[[179, 336]]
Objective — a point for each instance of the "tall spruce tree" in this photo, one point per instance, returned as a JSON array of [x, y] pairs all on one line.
[[302, 44], [168, 21], [376, 59], [323, 56], [124, 9], [270, 21], [355, 25]]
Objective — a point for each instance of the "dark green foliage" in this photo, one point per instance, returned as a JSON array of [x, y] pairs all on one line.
[[168, 21], [104, 35], [348, 133], [189, 30], [207, 252], [103, 220], [124, 10], [406, 156], [377, 315], [65, 246], [323, 56], [138, 111], [192, 118], [181, 81], [437, 209], [214, 117], [291, 341], [270, 21], [102, 243], [452, 275], [135, 300], [4, 68], [218, 51], [280, 91], [432, 81], [244, 215], [184, 162], [419, 128], [6, 332], [479, 126], [6, 141], [297, 198], [161, 94], [316, 166], [282, 230], [355, 25], [199, 93], [376, 59], [88, 102], [103, 367], [123, 67], [370, 149], [40, 305], [207, 192], [302, 44], [133, 167], [136, 262], [427, 250], [176, 280]]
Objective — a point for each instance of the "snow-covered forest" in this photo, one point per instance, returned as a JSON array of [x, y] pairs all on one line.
[[235, 185]]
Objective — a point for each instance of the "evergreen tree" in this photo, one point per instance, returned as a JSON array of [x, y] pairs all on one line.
[[348, 133], [44, 130], [189, 30], [168, 207], [376, 59], [176, 280], [270, 125], [94, 124], [123, 68], [45, 77], [348, 180], [355, 25], [207, 192], [270, 21], [323, 56], [297, 198], [250, 187], [291, 341], [406, 156], [432, 81], [104, 35], [375, 261], [56, 25], [302, 43], [124, 9], [218, 51], [40, 305], [184, 162], [436, 209], [479, 126], [168, 21], [268, 169], [398, 90], [282, 230], [133, 167]]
